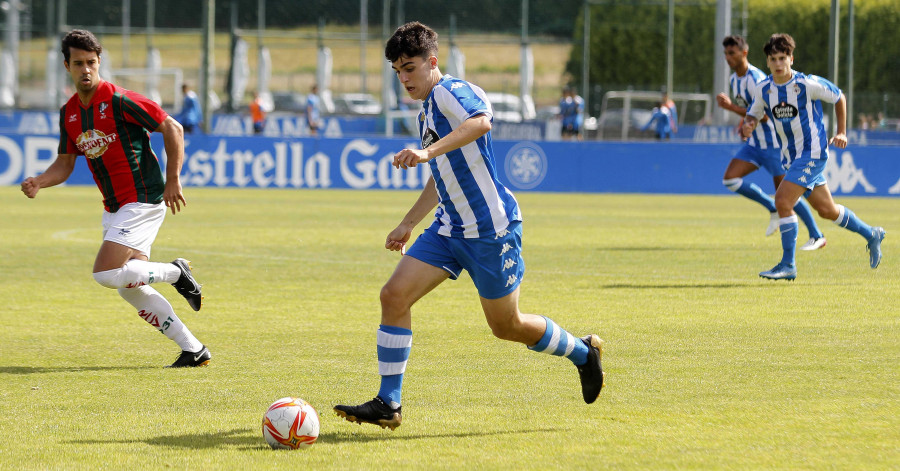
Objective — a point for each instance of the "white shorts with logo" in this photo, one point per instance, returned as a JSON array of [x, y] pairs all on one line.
[[134, 225]]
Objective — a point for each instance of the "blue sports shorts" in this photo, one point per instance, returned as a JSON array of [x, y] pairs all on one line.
[[769, 159], [806, 172], [494, 263]]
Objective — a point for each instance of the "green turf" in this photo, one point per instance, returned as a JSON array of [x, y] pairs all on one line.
[[708, 366]]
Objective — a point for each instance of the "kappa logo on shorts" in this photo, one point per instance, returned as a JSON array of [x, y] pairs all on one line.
[[511, 280], [508, 263], [506, 248]]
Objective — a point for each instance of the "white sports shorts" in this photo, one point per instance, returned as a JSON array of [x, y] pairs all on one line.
[[134, 225]]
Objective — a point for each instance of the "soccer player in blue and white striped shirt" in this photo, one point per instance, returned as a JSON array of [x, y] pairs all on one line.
[[762, 149], [477, 228], [793, 103]]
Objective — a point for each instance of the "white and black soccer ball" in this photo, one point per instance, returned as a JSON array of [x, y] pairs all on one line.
[[290, 423]]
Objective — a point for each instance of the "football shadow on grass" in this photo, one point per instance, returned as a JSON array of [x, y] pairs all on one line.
[[237, 438], [27, 370]]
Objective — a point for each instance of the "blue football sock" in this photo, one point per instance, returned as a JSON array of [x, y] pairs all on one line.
[[393, 352], [557, 341], [750, 190], [789, 228], [805, 214], [848, 220]]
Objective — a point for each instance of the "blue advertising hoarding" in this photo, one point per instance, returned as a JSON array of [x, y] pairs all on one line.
[[285, 156], [365, 163]]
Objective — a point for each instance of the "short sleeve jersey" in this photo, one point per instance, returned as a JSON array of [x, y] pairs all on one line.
[[795, 108], [113, 133], [473, 203], [742, 89]]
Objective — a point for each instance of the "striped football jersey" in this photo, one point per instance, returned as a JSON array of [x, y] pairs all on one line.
[[113, 133], [795, 108], [473, 203], [742, 89]]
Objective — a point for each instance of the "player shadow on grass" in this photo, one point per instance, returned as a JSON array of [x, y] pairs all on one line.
[[27, 370], [353, 436], [695, 285], [246, 438]]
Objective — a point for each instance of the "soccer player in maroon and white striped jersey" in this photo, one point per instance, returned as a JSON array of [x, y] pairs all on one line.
[[111, 127]]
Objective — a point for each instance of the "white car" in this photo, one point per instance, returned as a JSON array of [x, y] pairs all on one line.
[[356, 103], [506, 107]]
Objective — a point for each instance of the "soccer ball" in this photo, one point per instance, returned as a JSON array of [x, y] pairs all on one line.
[[290, 423]]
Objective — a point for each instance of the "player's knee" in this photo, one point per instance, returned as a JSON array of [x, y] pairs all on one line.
[[732, 183], [110, 278], [831, 213], [393, 299]]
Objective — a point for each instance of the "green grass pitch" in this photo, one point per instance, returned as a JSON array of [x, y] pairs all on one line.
[[708, 366]]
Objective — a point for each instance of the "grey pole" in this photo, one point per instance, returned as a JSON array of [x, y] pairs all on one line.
[[670, 49], [833, 53], [850, 34], [363, 36], [208, 67], [126, 31], [151, 22], [720, 77], [585, 57]]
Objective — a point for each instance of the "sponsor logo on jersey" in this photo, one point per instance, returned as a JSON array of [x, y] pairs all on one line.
[[785, 112], [102, 109], [456, 85], [93, 143], [526, 165], [429, 138]]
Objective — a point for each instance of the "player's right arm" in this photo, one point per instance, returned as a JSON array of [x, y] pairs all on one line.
[[428, 199], [755, 113], [58, 172], [724, 102]]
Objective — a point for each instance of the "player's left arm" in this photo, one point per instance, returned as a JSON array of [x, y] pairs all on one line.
[[173, 139], [467, 132], [840, 115]]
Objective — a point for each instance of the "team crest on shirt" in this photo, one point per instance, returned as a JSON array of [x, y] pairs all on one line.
[[429, 138], [740, 101], [73, 118], [785, 112], [93, 143]]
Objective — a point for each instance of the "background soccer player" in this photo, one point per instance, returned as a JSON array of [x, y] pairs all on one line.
[[109, 126], [761, 149], [477, 227], [793, 102]]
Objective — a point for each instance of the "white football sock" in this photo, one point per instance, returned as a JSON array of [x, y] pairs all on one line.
[[138, 272], [156, 310]]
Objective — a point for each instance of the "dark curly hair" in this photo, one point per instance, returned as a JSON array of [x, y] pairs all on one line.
[[735, 40], [412, 40], [80, 39], [780, 42]]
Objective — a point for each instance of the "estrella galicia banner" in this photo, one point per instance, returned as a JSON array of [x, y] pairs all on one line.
[[365, 163]]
